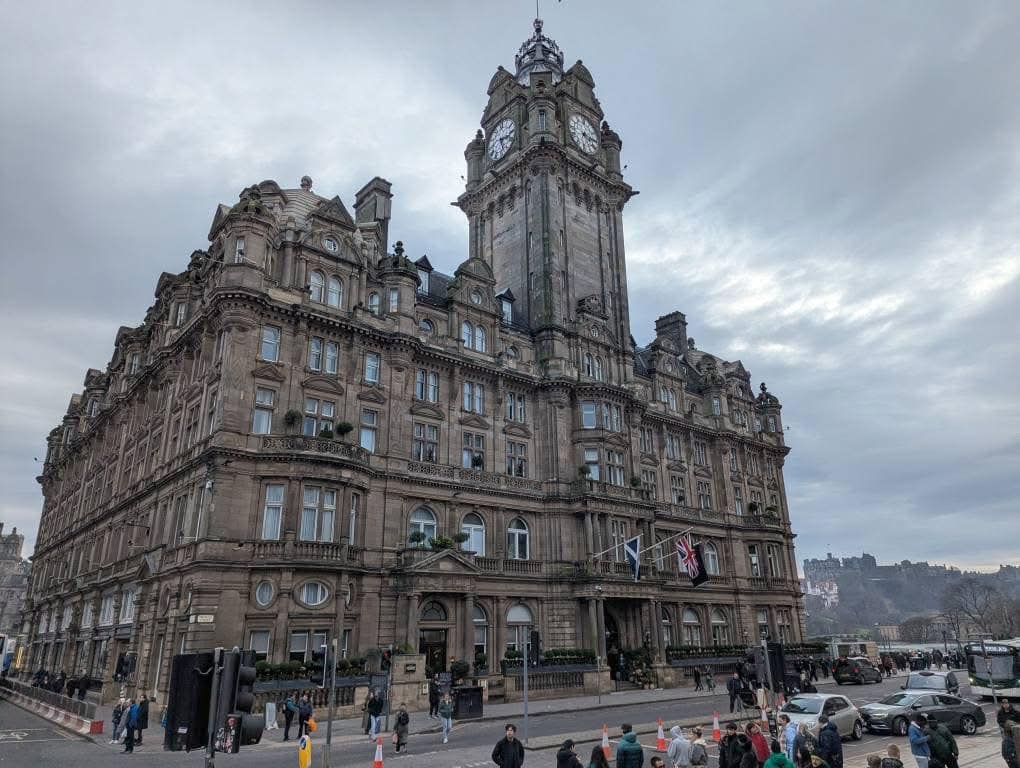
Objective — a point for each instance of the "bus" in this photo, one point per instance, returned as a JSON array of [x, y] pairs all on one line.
[[995, 663], [6, 653]]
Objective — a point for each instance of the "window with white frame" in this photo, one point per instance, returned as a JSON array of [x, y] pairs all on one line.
[[674, 447], [763, 622], [591, 461], [618, 533], [668, 396], [738, 501], [711, 555], [678, 489], [751, 462], [316, 286], [258, 642], [614, 467], [425, 446], [319, 415], [516, 459], [612, 418], [264, 593], [508, 310], [106, 611], [369, 426], [473, 453], [239, 251], [352, 518], [426, 385], [775, 564], [716, 406], [423, 521], [704, 494], [474, 397], [754, 559], [785, 626], [135, 363], [516, 407], [772, 424], [692, 628], [314, 593], [332, 357], [479, 338], [373, 303], [467, 334], [519, 622], [700, 453], [480, 624], [588, 414], [127, 605], [474, 528], [335, 292], [734, 467], [649, 482], [720, 628], [770, 466], [667, 628], [262, 415], [372, 367], [86, 615], [318, 514], [757, 505], [180, 313], [272, 516], [423, 280], [646, 441], [426, 326], [269, 346], [394, 305], [315, 353], [517, 540], [659, 553]]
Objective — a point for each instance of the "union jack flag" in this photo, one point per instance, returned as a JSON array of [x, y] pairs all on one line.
[[688, 557]]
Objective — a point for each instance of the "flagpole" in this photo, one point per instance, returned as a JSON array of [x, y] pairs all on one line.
[[668, 538]]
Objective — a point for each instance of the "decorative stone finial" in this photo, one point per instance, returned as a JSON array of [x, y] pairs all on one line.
[[764, 389], [306, 183], [398, 249]]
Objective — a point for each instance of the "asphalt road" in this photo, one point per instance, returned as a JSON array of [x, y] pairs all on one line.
[[27, 740]]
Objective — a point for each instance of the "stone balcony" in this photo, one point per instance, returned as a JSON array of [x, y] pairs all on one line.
[[315, 445], [308, 551], [771, 583], [586, 487], [474, 477]]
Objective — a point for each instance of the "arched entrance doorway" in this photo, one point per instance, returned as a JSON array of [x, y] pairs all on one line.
[[432, 635]]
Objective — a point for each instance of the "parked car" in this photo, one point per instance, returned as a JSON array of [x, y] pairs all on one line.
[[932, 681], [892, 714], [858, 670], [808, 707]]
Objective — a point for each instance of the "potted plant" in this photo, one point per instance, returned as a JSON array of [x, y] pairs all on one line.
[[342, 429], [441, 542], [460, 537], [326, 433], [417, 538], [481, 662], [292, 419], [459, 669], [635, 482]]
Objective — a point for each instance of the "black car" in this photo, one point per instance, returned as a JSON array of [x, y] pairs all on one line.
[[892, 714], [856, 670], [932, 681]]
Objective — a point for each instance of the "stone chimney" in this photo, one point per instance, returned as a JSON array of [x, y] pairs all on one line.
[[673, 327], [372, 212]]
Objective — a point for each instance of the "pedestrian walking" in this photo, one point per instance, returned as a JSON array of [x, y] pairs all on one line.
[[814, 669], [143, 718], [403, 721], [759, 743], [289, 707], [747, 757], [733, 687], [434, 696], [730, 749], [598, 758], [787, 735], [778, 758], [892, 757], [697, 679], [1008, 751], [830, 745], [131, 723], [1006, 713], [919, 746], [374, 705], [679, 750], [119, 710], [699, 749], [804, 740], [304, 711], [629, 753], [710, 679], [509, 752], [567, 757], [445, 711], [944, 751]]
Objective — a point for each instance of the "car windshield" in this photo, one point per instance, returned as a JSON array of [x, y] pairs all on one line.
[[934, 682], [898, 698], [798, 706]]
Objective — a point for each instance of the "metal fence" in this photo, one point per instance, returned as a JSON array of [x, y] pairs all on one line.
[[85, 709]]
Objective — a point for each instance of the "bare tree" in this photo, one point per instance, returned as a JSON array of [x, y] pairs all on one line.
[[976, 601], [916, 629]]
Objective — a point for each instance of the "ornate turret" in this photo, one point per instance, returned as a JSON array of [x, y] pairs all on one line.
[[540, 55]]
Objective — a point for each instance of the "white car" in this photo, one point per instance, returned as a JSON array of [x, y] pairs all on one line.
[[808, 707]]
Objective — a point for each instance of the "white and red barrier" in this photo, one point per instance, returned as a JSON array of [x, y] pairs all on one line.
[[80, 725]]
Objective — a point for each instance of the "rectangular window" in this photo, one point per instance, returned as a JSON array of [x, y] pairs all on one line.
[[618, 533], [591, 460], [751, 462], [614, 467], [181, 313], [135, 364], [716, 407], [541, 119], [474, 397], [372, 367], [426, 385], [332, 357], [211, 414], [516, 459], [473, 454], [674, 450], [426, 442], [315, 353], [508, 311], [516, 407], [127, 606], [700, 454], [298, 646], [319, 415], [611, 418], [269, 348], [770, 466], [646, 440], [106, 611], [754, 559], [423, 281], [678, 489], [191, 427], [369, 424], [258, 641], [239, 251], [733, 460], [704, 494], [221, 343], [352, 518], [310, 514], [738, 501], [648, 481], [86, 615], [757, 503], [394, 299], [262, 419], [273, 515], [588, 412], [773, 503], [772, 424], [775, 568]]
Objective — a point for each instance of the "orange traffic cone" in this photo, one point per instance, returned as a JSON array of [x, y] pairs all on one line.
[[660, 739], [716, 732], [605, 741], [378, 753]]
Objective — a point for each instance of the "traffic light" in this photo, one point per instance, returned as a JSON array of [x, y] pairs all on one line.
[[535, 647], [319, 666], [244, 702], [236, 725]]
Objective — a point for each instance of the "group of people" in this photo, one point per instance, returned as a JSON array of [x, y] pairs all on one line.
[[62, 684], [704, 679], [130, 719], [302, 709]]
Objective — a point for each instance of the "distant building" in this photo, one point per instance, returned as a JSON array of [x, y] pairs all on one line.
[[890, 632], [828, 591], [14, 573]]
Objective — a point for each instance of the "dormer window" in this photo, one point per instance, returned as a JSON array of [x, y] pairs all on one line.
[[181, 313], [134, 363], [423, 277], [93, 408], [239, 251], [508, 311]]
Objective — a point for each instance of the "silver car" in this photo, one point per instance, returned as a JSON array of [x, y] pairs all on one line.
[[808, 707]]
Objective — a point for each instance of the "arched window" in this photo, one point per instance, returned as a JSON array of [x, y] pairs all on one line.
[[667, 628], [481, 627], [589, 365], [519, 622], [433, 611], [373, 303], [423, 521], [512, 353], [517, 539], [335, 292], [692, 628], [479, 338], [711, 558], [474, 527], [426, 326], [316, 283], [467, 335], [720, 627], [671, 398], [598, 368]]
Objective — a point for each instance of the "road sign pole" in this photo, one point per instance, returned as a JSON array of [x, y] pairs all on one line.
[[331, 658], [527, 661], [214, 704]]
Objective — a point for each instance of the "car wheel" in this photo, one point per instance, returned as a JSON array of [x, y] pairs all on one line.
[[858, 732], [968, 725], [839, 682], [860, 680], [899, 726]]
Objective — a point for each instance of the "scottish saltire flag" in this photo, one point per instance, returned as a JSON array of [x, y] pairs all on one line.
[[690, 560], [632, 551]]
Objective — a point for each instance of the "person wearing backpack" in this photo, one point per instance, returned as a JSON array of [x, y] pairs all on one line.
[[400, 729], [289, 708], [699, 749]]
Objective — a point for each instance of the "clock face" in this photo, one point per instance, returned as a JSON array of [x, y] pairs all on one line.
[[583, 134], [501, 138]]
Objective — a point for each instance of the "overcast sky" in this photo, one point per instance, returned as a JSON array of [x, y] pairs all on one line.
[[829, 191]]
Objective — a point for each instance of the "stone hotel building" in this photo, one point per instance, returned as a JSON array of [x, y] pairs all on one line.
[[313, 434]]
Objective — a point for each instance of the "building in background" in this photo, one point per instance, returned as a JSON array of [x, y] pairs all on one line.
[[14, 574], [312, 435]]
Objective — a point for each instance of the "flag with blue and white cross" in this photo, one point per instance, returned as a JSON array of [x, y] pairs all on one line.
[[632, 551]]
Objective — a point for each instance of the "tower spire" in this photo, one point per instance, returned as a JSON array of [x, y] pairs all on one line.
[[539, 55]]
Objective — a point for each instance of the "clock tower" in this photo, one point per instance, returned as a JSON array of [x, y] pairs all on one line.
[[544, 200]]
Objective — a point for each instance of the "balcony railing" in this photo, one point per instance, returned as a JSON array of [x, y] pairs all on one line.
[[321, 445], [474, 477], [316, 551], [598, 488]]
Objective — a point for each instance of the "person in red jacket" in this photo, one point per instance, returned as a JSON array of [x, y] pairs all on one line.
[[759, 743]]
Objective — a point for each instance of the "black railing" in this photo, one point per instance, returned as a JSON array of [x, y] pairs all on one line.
[[85, 709]]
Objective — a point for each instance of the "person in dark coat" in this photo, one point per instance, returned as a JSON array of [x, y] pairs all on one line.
[[629, 753], [697, 679], [304, 711], [830, 745], [733, 687], [730, 749], [143, 717], [289, 708], [509, 752], [748, 759], [131, 723], [567, 757], [434, 696], [402, 721]]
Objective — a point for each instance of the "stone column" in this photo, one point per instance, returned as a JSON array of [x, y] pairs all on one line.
[[593, 625], [468, 652], [589, 537], [600, 613], [413, 604], [660, 654], [499, 623]]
